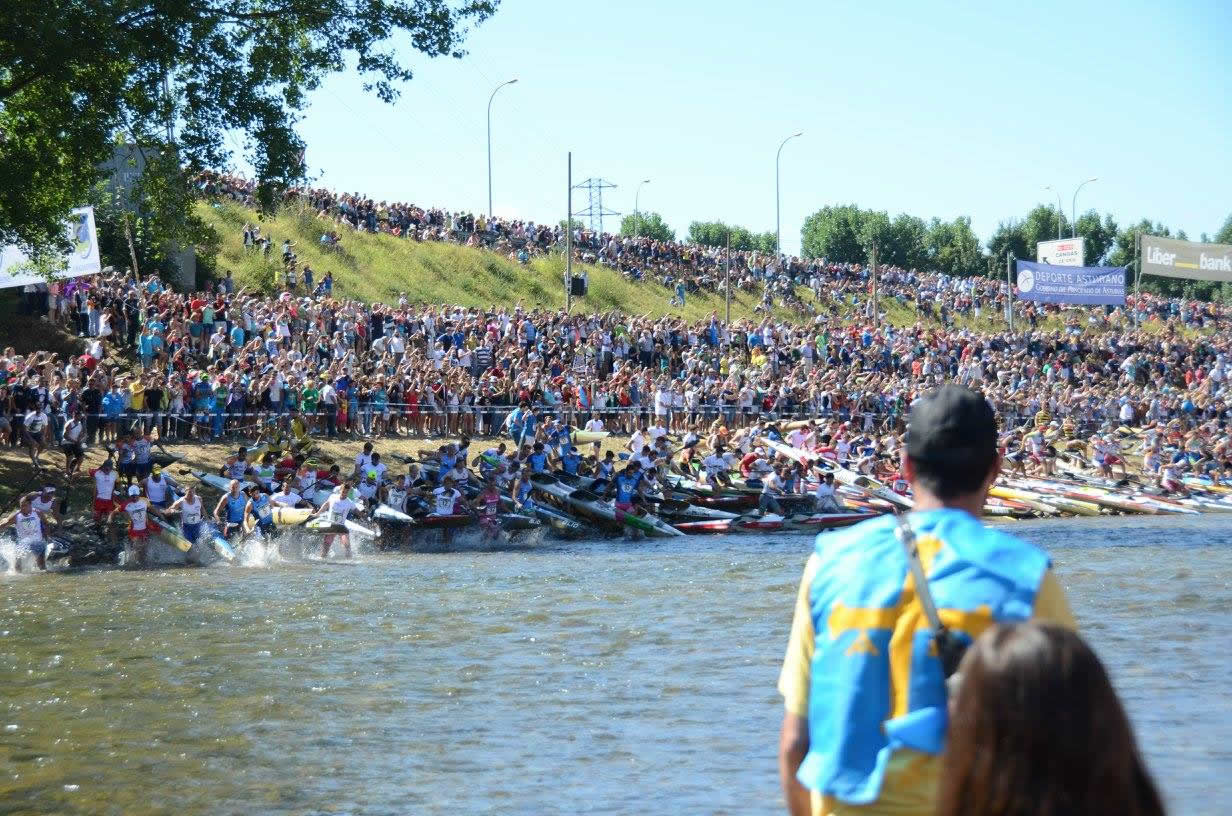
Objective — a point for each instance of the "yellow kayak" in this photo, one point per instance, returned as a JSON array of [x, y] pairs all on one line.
[[287, 516]]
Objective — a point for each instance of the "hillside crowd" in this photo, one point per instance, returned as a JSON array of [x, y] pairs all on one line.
[[209, 364]]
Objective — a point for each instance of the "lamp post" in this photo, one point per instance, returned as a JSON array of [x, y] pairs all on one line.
[[1060, 212], [490, 98], [1073, 226], [777, 236], [637, 213]]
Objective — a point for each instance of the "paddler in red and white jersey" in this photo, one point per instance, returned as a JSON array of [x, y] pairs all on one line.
[[337, 508], [104, 489], [137, 508], [1106, 452], [31, 528], [1170, 478]]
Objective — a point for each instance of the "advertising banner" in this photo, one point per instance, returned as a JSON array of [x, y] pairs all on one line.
[[15, 267], [1172, 258], [1065, 252], [1090, 285]]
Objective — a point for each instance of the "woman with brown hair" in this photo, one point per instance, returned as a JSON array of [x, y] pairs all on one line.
[[1036, 729]]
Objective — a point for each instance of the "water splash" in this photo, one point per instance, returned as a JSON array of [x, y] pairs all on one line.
[[255, 552]]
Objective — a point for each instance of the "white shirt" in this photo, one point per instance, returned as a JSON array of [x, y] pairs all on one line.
[[284, 499], [443, 500], [29, 528], [190, 511], [137, 510], [104, 483], [338, 508]]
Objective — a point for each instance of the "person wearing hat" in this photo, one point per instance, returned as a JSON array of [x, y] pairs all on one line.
[[138, 511], [158, 488], [864, 690], [44, 502]]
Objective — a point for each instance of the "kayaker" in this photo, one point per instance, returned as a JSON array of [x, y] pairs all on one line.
[[138, 511], [445, 499], [771, 489], [286, 496], [538, 460], [337, 508], [31, 529], [158, 488], [234, 502], [487, 503], [190, 509], [714, 469], [258, 513], [237, 466], [863, 688], [73, 445], [104, 489], [625, 487], [395, 493], [826, 500], [44, 502]]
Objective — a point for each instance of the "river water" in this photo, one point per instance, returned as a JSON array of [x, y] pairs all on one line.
[[591, 677]]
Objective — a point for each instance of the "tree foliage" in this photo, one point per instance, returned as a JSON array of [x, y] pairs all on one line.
[[715, 234], [76, 77], [648, 224]]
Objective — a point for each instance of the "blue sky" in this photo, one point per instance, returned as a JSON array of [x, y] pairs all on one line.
[[935, 109]]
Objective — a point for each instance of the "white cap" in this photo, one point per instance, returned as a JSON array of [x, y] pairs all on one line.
[[133, 490]]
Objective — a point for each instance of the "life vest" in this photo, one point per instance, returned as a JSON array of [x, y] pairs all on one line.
[[875, 685]]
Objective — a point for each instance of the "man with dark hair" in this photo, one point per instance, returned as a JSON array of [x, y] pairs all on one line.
[[863, 686]]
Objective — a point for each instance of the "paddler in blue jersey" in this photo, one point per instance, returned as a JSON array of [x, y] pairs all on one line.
[[626, 487], [259, 513], [863, 682], [569, 460], [490, 461], [229, 512], [538, 460]]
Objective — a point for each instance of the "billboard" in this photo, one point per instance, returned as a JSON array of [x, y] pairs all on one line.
[[82, 259], [1065, 252], [1091, 285], [1173, 258]]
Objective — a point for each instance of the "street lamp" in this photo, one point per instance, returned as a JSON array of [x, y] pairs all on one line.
[[637, 218], [1073, 226], [777, 237], [490, 98], [1060, 212]]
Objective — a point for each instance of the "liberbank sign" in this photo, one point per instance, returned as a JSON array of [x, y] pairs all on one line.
[[1185, 259]]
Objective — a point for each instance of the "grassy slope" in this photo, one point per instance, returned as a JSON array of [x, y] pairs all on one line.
[[379, 267]]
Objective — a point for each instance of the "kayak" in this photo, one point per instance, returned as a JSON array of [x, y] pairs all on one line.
[[771, 522], [828, 521], [514, 522], [559, 521], [706, 526], [168, 533], [288, 516], [221, 545], [323, 525], [679, 510], [583, 437], [384, 512], [218, 482], [447, 522]]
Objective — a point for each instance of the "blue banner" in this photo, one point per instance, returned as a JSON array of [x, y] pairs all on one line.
[[1091, 285]]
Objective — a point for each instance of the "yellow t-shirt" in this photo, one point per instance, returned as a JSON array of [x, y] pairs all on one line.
[[911, 777], [137, 391]]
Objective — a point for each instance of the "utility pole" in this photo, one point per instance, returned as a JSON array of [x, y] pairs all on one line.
[[1137, 277], [569, 236]]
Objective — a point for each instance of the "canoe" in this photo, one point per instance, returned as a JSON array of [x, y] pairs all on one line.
[[559, 521], [585, 437], [514, 522], [384, 512], [871, 486], [218, 482], [220, 544]]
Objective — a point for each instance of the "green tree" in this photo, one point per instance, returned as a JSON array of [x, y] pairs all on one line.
[[834, 233], [953, 248], [75, 77], [1011, 237], [649, 224], [1224, 236], [716, 233], [1099, 236]]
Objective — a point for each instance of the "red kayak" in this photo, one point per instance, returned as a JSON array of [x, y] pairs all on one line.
[[828, 521], [705, 526], [455, 520]]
